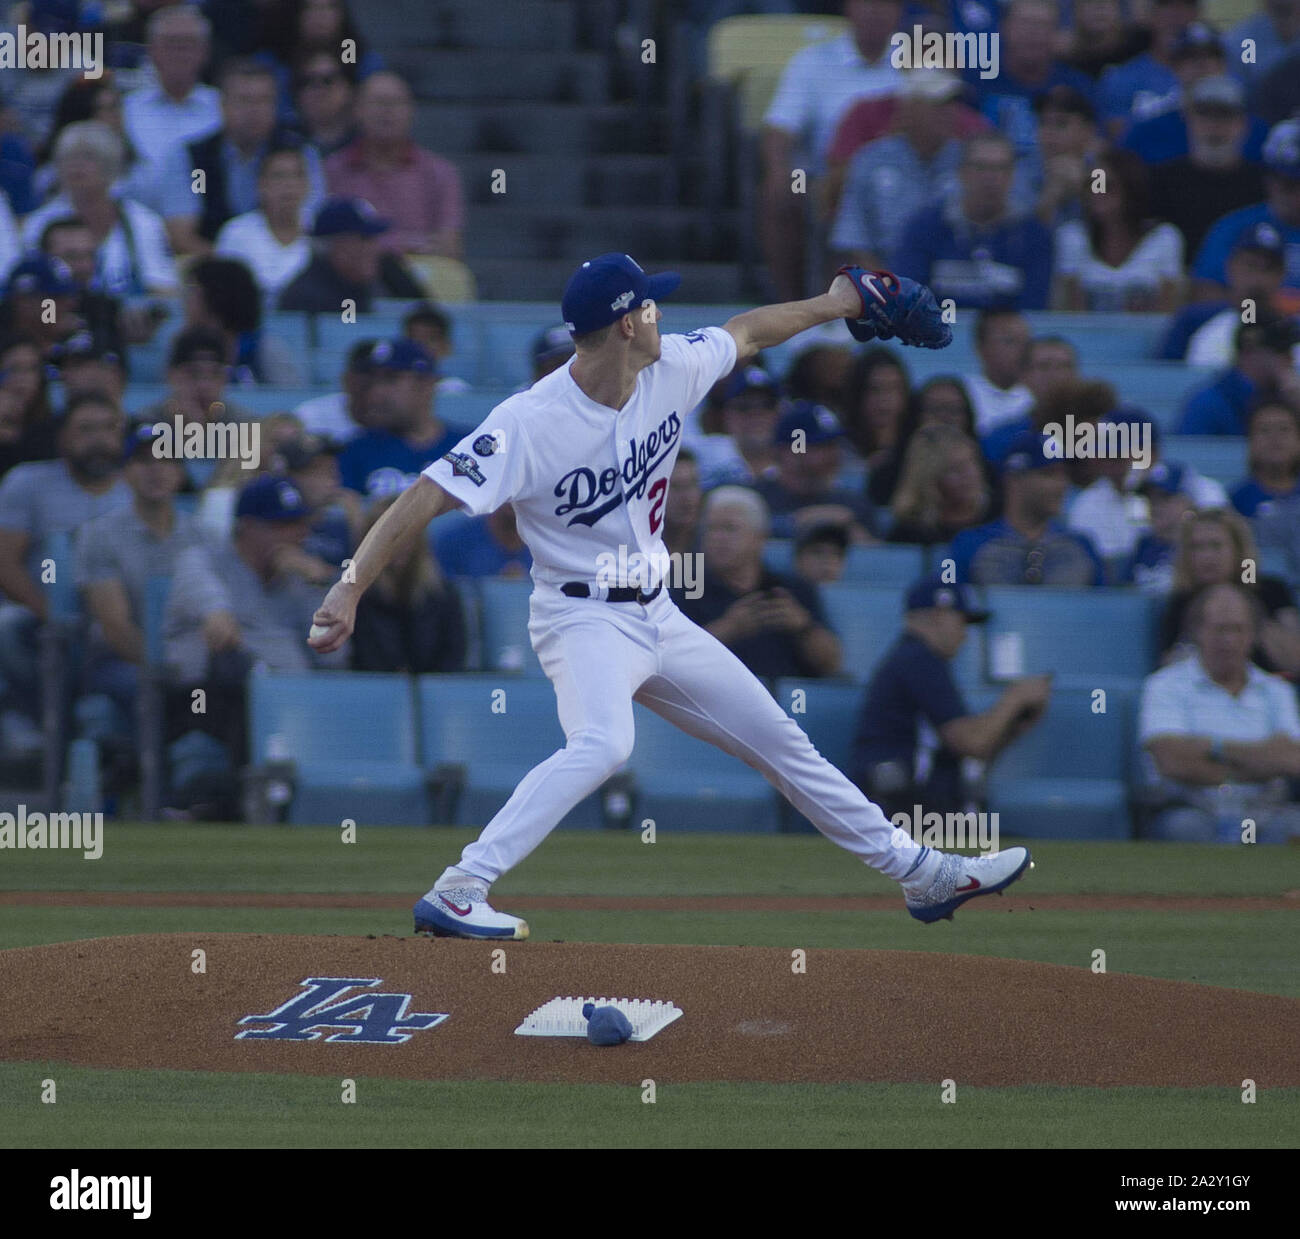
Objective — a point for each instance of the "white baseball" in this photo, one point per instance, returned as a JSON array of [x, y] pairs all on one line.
[[316, 631]]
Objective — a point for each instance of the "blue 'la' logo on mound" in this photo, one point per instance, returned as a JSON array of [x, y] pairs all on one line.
[[377, 1019]]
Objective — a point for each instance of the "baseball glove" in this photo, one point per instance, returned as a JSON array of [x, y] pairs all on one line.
[[894, 306]]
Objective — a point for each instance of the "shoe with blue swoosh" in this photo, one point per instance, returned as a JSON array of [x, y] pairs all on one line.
[[939, 890], [464, 912]]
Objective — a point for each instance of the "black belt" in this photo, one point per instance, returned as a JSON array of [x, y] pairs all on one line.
[[580, 589]]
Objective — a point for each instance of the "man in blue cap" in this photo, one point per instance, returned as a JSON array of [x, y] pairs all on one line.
[[405, 433], [584, 458], [348, 265], [914, 729], [1028, 545], [34, 282], [809, 448]]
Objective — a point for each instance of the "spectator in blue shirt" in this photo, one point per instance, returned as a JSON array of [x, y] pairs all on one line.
[[483, 546], [1261, 370], [1273, 434], [971, 248], [405, 433], [1028, 70], [914, 728], [1147, 84], [1029, 545], [1151, 566], [1255, 270], [1198, 56], [1280, 210], [1275, 32]]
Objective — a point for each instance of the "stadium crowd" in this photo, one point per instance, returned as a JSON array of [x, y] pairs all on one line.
[[222, 174]]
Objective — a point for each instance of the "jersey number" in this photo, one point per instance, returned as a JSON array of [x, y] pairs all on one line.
[[658, 492]]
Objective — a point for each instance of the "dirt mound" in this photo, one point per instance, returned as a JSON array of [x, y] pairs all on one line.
[[854, 1015]]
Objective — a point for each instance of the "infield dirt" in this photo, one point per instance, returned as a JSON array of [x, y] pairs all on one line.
[[748, 1015]]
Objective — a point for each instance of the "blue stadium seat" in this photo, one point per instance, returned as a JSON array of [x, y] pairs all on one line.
[[351, 737], [829, 717], [505, 646], [1077, 631], [1221, 457], [866, 618], [1069, 777], [497, 732], [469, 408], [689, 784]]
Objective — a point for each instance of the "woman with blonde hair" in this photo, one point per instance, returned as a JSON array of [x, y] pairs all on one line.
[[1216, 547], [943, 488], [411, 619]]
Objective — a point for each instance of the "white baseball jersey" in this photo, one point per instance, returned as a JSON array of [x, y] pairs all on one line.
[[586, 480]]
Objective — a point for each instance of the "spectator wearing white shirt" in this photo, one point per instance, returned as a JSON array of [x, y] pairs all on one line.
[[177, 107], [342, 415], [271, 241], [1105, 510], [998, 391], [817, 87], [1116, 257], [132, 255], [1222, 735]]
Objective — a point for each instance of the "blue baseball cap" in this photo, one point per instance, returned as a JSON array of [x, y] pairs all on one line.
[[42, 276], [340, 216], [934, 591], [746, 379], [1027, 451], [1197, 39], [271, 498], [818, 423], [604, 289], [1282, 150], [139, 435], [1167, 478], [552, 343], [400, 355]]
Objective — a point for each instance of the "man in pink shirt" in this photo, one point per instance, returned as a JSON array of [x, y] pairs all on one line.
[[418, 191]]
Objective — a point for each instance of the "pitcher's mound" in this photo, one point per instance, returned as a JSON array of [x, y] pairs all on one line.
[[853, 1015]]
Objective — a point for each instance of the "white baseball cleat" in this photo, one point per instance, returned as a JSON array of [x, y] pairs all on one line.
[[462, 911], [939, 890]]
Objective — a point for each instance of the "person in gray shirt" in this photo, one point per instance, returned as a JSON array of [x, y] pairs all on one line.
[[40, 499], [116, 554], [892, 178], [242, 604]]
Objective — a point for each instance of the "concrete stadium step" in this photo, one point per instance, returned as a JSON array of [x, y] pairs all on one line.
[[593, 180], [494, 74], [507, 279], [653, 233], [556, 130], [542, 25]]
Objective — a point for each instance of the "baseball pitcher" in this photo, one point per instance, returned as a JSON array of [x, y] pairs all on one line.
[[584, 456]]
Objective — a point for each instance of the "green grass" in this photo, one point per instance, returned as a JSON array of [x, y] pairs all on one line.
[[1247, 950], [398, 859], [137, 1109]]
